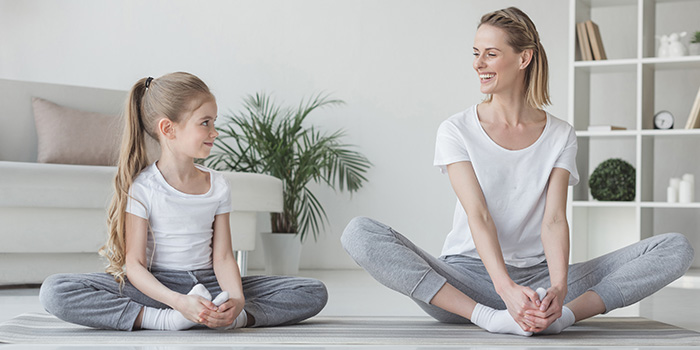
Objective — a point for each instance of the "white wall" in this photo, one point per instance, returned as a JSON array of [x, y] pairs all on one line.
[[402, 66]]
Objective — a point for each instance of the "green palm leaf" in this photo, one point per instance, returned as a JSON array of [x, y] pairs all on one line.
[[270, 139]]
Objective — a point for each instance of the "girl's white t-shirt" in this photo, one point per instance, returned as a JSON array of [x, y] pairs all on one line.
[[181, 224], [514, 183]]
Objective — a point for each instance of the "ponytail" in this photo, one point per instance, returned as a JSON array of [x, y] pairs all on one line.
[[132, 159]]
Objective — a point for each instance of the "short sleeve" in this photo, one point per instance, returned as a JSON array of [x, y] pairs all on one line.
[[450, 146], [567, 158], [138, 202], [225, 204]]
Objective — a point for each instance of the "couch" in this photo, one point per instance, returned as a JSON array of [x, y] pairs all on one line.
[[53, 216]]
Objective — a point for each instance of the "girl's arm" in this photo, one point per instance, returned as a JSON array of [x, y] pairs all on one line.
[[555, 240], [227, 274], [138, 275], [518, 299]]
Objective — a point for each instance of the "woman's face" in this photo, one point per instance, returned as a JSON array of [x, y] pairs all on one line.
[[496, 63]]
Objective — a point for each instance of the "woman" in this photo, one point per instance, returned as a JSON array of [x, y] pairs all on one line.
[[510, 163]]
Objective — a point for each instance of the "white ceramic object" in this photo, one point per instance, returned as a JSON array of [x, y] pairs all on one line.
[[663, 46], [671, 194], [282, 253], [675, 46]]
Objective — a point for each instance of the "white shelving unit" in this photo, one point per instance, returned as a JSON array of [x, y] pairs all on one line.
[[627, 90]]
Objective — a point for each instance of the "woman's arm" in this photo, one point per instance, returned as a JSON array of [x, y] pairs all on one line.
[[138, 275], [227, 274], [518, 299], [555, 240]]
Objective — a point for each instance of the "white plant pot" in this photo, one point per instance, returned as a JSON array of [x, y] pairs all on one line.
[[694, 49], [282, 253]]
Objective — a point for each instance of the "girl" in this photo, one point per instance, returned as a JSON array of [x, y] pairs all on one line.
[[169, 247], [510, 163]]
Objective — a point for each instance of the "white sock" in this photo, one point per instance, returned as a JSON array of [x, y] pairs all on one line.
[[541, 292], [242, 318], [496, 321], [169, 319], [567, 319]]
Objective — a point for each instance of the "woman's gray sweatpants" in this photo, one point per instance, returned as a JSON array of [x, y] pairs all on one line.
[[620, 278], [95, 300]]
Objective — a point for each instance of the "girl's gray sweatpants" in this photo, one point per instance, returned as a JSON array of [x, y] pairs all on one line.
[[620, 278], [95, 299]]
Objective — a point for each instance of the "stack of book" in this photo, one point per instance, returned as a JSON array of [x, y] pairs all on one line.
[[694, 117], [589, 41]]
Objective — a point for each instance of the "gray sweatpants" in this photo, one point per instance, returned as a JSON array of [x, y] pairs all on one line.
[[95, 300], [620, 278]]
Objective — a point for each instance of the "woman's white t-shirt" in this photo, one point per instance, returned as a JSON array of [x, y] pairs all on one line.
[[181, 224], [514, 183]]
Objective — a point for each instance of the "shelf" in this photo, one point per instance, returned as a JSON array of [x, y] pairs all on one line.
[[632, 204], [603, 204], [671, 133], [608, 66], [683, 62], [691, 280], [613, 133], [610, 3], [645, 132], [694, 205]]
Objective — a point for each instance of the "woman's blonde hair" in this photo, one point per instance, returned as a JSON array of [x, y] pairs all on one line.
[[522, 35], [170, 96]]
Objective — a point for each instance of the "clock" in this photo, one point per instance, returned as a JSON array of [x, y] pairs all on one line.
[[663, 120]]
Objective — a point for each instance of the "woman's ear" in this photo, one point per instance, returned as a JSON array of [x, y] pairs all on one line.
[[525, 58], [166, 127]]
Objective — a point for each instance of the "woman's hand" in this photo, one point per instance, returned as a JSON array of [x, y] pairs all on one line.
[[549, 310], [224, 315], [519, 301], [192, 306]]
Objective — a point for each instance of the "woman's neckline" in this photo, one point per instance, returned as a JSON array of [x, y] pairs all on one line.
[[539, 138]]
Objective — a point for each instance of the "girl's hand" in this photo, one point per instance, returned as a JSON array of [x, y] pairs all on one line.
[[549, 310], [520, 300], [191, 306], [223, 316]]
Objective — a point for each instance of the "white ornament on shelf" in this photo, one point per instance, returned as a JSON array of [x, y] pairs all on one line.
[[663, 46], [671, 194], [675, 183], [675, 46], [684, 192], [671, 46], [690, 178]]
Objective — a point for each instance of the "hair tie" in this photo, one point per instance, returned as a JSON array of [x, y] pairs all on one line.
[[148, 82]]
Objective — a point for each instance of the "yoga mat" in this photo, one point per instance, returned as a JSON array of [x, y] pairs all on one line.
[[41, 328]]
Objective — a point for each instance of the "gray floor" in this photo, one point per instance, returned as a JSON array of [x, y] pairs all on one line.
[[354, 292]]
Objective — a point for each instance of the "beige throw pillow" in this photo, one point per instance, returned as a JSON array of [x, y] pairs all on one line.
[[71, 136]]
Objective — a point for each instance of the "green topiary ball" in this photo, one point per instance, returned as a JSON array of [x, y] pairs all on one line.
[[613, 180]]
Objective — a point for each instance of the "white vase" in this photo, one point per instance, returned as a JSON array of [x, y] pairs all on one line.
[[694, 49], [282, 253]]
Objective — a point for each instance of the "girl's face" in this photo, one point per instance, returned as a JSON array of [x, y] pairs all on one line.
[[195, 136], [496, 63]]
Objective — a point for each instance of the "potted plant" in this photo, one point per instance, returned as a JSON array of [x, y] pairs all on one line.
[[270, 139], [694, 46]]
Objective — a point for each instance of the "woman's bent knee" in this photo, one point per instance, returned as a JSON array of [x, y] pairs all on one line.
[[684, 250], [360, 232]]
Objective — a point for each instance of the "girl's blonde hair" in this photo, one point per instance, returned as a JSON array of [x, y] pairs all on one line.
[[522, 35], [170, 96]]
